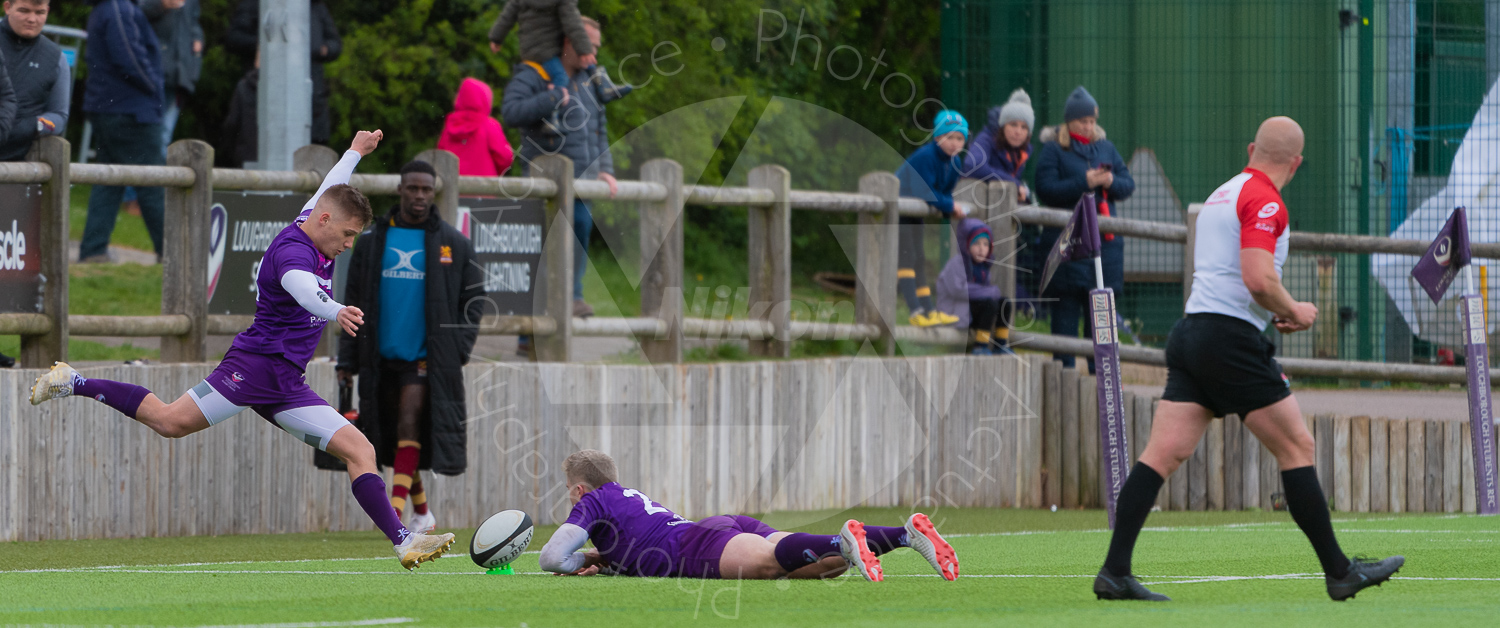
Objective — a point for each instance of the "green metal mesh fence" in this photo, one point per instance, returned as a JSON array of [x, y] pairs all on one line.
[[1386, 91]]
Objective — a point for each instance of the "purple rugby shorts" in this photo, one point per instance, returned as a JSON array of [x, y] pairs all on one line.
[[702, 543], [272, 386]]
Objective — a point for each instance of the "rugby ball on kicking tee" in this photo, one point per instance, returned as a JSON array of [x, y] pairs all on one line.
[[501, 539]]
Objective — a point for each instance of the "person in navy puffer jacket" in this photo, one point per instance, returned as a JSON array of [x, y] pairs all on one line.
[[123, 98], [1076, 159]]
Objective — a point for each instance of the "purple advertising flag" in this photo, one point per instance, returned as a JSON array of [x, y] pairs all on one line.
[[1448, 254], [1079, 239], [1112, 438], [1480, 423]]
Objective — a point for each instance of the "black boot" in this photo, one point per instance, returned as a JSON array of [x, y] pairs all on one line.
[[1108, 587], [1363, 574]]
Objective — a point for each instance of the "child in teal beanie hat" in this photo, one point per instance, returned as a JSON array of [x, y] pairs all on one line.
[[930, 174]]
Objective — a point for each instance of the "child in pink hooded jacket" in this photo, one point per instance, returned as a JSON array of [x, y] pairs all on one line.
[[473, 135]]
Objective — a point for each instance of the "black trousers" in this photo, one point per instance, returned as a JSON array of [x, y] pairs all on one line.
[[912, 255]]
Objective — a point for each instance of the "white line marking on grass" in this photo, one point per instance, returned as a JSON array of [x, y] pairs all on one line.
[[322, 624], [1146, 579], [208, 564], [1201, 579]]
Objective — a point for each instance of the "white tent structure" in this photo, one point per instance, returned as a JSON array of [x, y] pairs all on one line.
[[1474, 183], [1154, 200]]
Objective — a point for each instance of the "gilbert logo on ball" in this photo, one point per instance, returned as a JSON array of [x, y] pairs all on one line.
[[500, 539]]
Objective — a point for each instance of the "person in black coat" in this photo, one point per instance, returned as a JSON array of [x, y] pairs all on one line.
[[415, 278], [1076, 160], [239, 140], [243, 38]]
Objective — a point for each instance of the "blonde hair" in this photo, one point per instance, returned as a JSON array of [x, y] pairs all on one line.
[[590, 466]]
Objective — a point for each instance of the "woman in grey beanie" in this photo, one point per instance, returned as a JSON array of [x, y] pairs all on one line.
[[999, 152]]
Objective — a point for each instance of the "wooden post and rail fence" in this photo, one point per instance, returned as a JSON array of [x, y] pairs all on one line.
[[1003, 431], [662, 195]]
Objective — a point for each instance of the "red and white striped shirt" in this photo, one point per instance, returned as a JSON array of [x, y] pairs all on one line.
[[1246, 212]]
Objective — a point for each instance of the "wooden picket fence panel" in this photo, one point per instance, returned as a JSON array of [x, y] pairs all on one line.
[[751, 437], [702, 438], [1365, 464]]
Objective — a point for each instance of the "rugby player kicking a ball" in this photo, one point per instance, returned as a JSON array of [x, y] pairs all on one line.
[[264, 368], [1218, 363], [635, 536]]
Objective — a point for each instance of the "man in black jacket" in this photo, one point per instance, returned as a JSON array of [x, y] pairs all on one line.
[[39, 73], [243, 38], [422, 293]]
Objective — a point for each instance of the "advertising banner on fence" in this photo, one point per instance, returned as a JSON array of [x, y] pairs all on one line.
[[507, 237], [20, 235], [241, 227]]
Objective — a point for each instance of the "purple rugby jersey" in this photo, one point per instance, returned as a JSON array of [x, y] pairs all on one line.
[[635, 535], [282, 326]]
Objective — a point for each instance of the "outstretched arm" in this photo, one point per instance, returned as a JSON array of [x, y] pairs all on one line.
[[364, 144], [561, 554]]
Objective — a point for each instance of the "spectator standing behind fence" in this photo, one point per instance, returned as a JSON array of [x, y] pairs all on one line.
[[1000, 150], [37, 109], [543, 24], [964, 288], [582, 137], [475, 137], [929, 174], [415, 278], [243, 37], [181, 37], [1076, 159], [40, 75], [240, 134], [123, 98]]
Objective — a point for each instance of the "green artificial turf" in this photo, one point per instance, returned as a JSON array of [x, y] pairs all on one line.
[[1019, 568]]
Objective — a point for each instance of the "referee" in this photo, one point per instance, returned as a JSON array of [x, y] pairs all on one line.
[[1218, 363]]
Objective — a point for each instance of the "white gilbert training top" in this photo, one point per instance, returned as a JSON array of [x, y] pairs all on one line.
[[1246, 212]]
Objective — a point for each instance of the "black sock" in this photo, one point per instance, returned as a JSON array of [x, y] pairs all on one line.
[[1132, 507], [908, 289], [1309, 508]]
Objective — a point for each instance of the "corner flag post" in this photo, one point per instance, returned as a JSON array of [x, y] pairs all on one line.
[[1435, 271], [1481, 421], [1080, 240], [1112, 438]]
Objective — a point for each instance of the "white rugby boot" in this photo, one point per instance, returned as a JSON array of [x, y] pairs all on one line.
[[420, 548], [857, 552], [422, 524], [54, 384], [924, 538]]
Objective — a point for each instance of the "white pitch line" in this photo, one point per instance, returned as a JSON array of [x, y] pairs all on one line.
[[1146, 579], [322, 624], [227, 562]]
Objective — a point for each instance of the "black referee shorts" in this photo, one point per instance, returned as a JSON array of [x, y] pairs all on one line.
[[1224, 364]]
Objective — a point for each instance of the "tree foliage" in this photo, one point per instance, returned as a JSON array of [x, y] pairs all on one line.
[[403, 61]]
